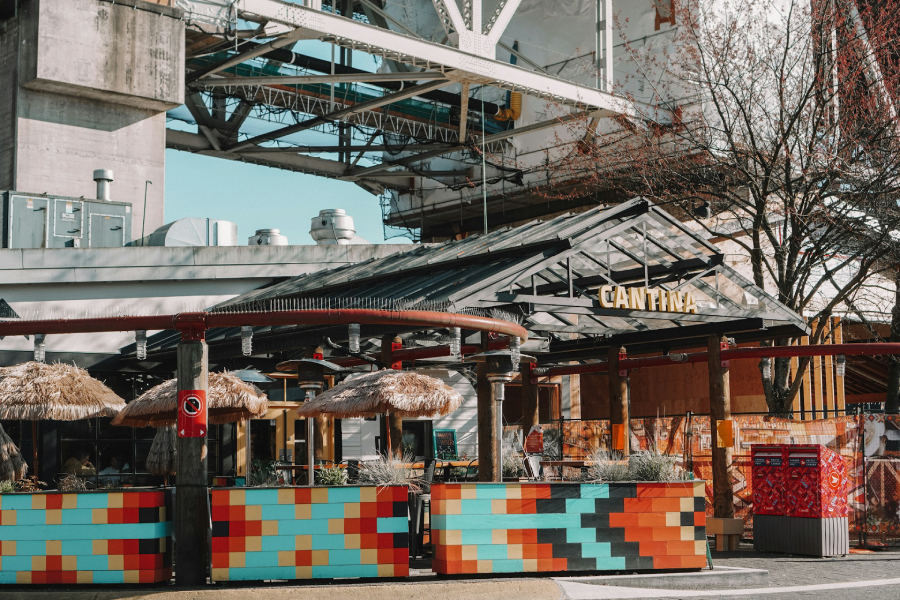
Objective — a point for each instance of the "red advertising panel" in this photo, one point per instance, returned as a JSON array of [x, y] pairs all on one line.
[[191, 413], [816, 482], [768, 478]]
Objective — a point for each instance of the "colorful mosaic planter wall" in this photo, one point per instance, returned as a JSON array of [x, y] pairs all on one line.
[[528, 527], [309, 533], [86, 537]]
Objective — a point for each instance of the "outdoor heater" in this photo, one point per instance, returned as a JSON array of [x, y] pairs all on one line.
[[502, 367], [311, 378]]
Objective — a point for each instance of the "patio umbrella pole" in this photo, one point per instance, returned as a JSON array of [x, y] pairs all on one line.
[[192, 519], [310, 444], [34, 449]]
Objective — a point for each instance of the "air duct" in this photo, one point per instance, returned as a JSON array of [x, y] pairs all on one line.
[[103, 177]]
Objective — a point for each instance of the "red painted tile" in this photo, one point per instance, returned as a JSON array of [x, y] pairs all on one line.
[[115, 516], [401, 570], [237, 528], [54, 501], [385, 556], [353, 526], [368, 541], [115, 547], [219, 498], [219, 513], [131, 515], [304, 558], [152, 499], [401, 555], [385, 509], [385, 540], [235, 513], [220, 559], [237, 544], [368, 510], [252, 528], [401, 494], [302, 496], [54, 563], [131, 500], [132, 562]]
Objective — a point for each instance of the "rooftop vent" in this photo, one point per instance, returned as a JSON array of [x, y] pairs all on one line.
[[332, 226]]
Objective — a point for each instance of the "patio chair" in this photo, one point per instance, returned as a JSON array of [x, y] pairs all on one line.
[[533, 469], [423, 500], [471, 471]]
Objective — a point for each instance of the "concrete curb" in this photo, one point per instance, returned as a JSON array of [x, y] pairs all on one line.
[[537, 589], [718, 578]]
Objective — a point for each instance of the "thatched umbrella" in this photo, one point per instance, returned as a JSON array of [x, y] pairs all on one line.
[[12, 466], [36, 391], [161, 460], [404, 393], [229, 399]]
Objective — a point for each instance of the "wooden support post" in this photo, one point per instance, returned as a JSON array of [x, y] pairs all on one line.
[[720, 410], [838, 327], [192, 524], [530, 415], [394, 426], [618, 398], [487, 420]]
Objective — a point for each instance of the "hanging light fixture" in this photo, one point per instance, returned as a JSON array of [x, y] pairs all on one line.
[[841, 364], [515, 350], [455, 342], [353, 340], [766, 364], [39, 349], [247, 340], [140, 344]]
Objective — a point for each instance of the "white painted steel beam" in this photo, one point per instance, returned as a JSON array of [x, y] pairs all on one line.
[[499, 21], [433, 56], [302, 79]]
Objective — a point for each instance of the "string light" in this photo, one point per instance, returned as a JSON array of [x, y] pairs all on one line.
[[455, 342], [515, 347], [247, 340], [40, 353], [354, 338], [841, 365], [140, 344], [766, 364]]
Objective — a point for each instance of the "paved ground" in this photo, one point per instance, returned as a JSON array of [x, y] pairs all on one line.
[[859, 576]]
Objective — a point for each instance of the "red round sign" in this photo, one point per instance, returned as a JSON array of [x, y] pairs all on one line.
[[192, 413]]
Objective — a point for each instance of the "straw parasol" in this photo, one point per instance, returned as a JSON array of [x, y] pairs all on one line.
[[229, 399], [12, 466], [405, 393], [161, 460], [36, 391]]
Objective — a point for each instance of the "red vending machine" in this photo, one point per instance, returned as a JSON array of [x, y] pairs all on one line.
[[768, 478], [816, 483]]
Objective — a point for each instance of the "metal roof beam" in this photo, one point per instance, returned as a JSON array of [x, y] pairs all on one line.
[[309, 79], [339, 114], [375, 40], [254, 52]]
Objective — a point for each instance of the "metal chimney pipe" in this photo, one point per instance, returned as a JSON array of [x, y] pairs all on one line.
[[103, 177]]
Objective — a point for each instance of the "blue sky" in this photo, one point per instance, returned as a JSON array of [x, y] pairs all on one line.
[[258, 197]]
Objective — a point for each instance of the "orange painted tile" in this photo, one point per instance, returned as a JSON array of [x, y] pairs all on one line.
[[220, 560], [680, 548], [640, 534], [699, 519], [666, 534], [236, 513], [453, 553], [514, 536], [237, 544], [468, 566], [253, 528], [453, 493], [401, 570], [131, 500], [693, 562], [219, 498], [653, 548], [529, 536], [638, 504], [368, 541], [664, 505], [651, 519], [623, 519], [667, 562], [651, 490], [680, 490], [385, 556], [368, 510]]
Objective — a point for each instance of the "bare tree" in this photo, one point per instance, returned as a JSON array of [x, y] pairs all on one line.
[[785, 128]]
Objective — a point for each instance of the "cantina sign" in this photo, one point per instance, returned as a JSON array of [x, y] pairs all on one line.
[[641, 298]]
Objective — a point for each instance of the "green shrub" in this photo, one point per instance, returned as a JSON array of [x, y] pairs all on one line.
[[331, 476], [512, 463], [386, 470], [651, 465], [7, 487], [607, 466]]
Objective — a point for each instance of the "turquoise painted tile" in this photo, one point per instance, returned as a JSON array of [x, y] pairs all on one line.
[[327, 511], [17, 563], [277, 512], [303, 527], [338, 495], [475, 507], [93, 500], [77, 516], [93, 563], [471, 537], [393, 525], [334, 541], [614, 563], [509, 565], [7, 577], [109, 576], [580, 535], [260, 573], [76, 548], [580, 505], [30, 517], [490, 492], [260, 559], [594, 490], [274, 543], [344, 557], [596, 550], [15, 501], [129, 531], [31, 547], [260, 496], [546, 521], [491, 552], [330, 571]]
